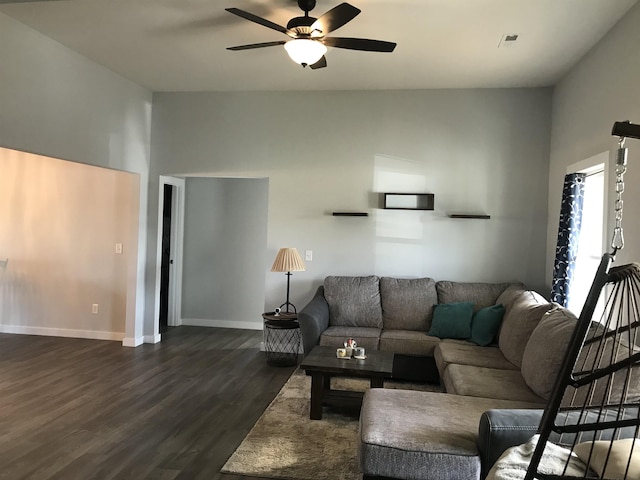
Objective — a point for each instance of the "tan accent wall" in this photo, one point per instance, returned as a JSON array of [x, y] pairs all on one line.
[[59, 225]]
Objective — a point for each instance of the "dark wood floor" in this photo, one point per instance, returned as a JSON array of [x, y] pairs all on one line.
[[88, 409]]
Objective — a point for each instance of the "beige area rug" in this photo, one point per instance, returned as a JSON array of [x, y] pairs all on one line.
[[284, 443]]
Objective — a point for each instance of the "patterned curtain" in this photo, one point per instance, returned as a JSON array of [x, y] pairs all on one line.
[[568, 235]]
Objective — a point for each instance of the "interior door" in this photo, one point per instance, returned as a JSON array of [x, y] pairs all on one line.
[[168, 292], [166, 262]]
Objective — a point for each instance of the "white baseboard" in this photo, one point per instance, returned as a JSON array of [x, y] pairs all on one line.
[[61, 332], [152, 338], [208, 322], [132, 341]]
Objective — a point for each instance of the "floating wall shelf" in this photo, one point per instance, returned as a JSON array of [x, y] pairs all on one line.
[[470, 215], [350, 214], [408, 201]]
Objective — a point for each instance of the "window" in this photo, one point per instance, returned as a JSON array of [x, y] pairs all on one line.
[[590, 243]]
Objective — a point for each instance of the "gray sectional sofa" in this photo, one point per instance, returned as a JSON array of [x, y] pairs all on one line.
[[389, 314], [415, 435]]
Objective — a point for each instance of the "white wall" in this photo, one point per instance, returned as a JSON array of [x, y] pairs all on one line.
[[476, 150], [55, 102], [603, 88]]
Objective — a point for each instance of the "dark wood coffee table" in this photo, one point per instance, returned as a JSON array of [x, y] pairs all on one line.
[[322, 363]]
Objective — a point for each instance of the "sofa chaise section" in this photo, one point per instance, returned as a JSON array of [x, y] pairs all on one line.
[[447, 433], [421, 435]]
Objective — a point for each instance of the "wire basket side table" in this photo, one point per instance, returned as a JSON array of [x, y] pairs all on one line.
[[281, 336]]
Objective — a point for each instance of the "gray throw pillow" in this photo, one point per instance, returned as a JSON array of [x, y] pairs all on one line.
[[522, 314], [353, 301], [407, 304], [545, 351]]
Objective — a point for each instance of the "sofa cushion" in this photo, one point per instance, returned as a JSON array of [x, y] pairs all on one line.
[[509, 295], [545, 351], [408, 342], [485, 324], [489, 383], [480, 294], [453, 352], [600, 355], [364, 337], [407, 304], [620, 458], [452, 320], [408, 434], [353, 301], [523, 311]]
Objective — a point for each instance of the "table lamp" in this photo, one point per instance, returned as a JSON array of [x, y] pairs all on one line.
[[288, 260]]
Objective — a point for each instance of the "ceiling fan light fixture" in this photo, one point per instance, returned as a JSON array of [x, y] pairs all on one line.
[[304, 51]]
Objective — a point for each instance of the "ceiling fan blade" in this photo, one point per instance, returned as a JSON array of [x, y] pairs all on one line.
[[256, 45], [335, 18], [261, 21], [319, 64], [359, 44]]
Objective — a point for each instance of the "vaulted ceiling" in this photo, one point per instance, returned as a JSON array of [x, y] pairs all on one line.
[[180, 45]]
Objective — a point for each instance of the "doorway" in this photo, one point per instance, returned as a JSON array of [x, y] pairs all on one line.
[[166, 260], [225, 245], [169, 255]]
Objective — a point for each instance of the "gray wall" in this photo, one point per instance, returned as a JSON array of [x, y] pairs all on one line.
[[225, 243], [477, 150], [56, 103], [603, 88]]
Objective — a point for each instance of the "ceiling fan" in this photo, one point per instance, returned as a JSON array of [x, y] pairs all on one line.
[[309, 42]]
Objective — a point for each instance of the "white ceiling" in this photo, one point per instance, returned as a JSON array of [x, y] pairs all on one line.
[[180, 45]]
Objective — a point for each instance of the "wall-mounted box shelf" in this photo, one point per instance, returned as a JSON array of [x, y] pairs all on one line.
[[409, 201], [480, 216], [350, 214]]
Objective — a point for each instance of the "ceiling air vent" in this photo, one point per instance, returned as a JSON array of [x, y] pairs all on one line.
[[508, 40]]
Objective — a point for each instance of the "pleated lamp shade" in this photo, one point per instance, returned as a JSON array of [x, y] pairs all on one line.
[[288, 260]]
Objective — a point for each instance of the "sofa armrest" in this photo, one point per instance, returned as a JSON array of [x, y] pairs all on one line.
[[313, 320], [502, 429]]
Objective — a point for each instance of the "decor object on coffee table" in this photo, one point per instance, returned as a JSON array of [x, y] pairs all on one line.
[[288, 260]]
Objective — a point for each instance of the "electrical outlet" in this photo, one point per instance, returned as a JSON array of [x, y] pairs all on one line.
[[118, 248], [308, 255], [94, 309]]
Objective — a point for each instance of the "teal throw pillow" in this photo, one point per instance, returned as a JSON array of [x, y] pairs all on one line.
[[485, 324], [452, 320]]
